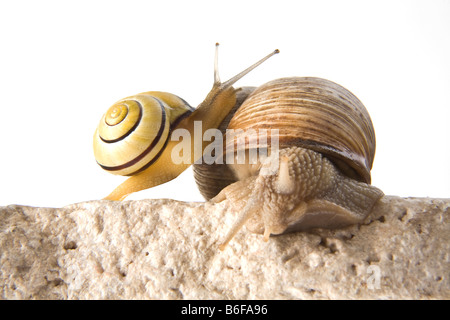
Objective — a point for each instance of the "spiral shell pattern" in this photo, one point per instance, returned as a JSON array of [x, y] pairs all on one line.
[[134, 131]]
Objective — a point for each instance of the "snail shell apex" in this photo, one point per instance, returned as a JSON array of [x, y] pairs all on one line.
[[133, 132], [316, 114]]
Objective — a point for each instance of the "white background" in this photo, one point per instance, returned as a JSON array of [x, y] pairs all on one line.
[[63, 63]]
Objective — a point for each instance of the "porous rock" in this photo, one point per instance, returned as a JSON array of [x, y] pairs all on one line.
[[166, 249]]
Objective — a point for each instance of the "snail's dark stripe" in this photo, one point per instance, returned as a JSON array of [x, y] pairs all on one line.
[[126, 134], [149, 148], [186, 104], [172, 126], [184, 115], [151, 161], [178, 120]]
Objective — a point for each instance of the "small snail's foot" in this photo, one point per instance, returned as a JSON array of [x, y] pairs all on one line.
[[119, 193], [129, 186], [162, 171]]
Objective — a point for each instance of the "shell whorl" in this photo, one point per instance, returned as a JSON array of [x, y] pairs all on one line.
[[314, 113], [134, 131]]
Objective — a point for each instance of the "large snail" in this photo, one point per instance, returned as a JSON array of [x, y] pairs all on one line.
[[315, 139]]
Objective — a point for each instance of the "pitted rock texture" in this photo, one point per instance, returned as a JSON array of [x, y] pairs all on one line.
[[165, 249]]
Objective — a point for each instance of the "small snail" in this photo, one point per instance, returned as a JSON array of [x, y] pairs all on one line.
[[315, 168], [133, 137]]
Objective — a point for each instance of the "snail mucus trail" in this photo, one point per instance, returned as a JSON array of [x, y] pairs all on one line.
[[326, 149]]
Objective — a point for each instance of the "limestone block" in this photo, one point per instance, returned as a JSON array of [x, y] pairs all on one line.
[[166, 249]]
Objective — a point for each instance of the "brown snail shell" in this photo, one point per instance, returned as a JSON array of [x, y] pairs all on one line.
[[325, 142], [313, 113]]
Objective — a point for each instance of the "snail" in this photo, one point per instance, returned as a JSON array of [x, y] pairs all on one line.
[[325, 147], [135, 136], [316, 145]]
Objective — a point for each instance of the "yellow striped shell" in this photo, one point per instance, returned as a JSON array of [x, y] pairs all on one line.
[[133, 132]]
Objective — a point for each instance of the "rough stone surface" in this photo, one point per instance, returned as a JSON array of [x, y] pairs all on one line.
[[164, 249]]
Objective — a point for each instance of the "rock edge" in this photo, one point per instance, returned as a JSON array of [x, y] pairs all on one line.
[[166, 249]]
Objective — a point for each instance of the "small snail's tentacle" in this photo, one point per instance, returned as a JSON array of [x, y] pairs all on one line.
[[220, 100], [216, 65], [243, 73]]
